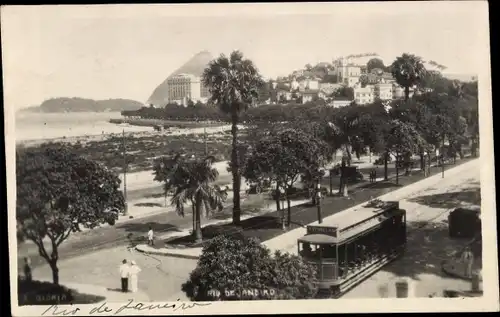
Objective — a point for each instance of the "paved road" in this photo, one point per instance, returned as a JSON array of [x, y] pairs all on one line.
[[121, 233], [162, 277], [428, 242]]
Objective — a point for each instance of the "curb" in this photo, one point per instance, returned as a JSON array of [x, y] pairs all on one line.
[[169, 254]]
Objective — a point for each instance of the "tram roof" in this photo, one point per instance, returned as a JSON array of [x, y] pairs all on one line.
[[318, 239], [350, 217]]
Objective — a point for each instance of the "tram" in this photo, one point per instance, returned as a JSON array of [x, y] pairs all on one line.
[[353, 245]]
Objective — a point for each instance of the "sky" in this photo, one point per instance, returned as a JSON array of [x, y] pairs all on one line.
[[125, 51]]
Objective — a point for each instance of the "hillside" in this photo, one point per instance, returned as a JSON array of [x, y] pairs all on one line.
[[85, 105], [195, 66]]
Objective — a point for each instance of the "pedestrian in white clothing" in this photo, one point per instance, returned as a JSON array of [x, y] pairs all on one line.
[[124, 273], [133, 276], [150, 236]]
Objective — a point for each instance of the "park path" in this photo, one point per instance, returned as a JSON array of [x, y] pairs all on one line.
[[162, 277]]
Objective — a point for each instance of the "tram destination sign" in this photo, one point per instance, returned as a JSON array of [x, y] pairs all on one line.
[[331, 231]]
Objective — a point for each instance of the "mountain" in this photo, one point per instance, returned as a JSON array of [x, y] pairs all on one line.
[[85, 105], [195, 66]]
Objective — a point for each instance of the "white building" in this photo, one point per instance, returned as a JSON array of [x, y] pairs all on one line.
[[294, 84], [338, 103], [308, 84], [186, 87], [363, 96], [383, 91]]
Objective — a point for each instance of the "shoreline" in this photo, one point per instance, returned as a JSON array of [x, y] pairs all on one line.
[[172, 131]]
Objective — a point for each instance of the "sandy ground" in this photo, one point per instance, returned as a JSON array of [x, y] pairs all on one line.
[[136, 134]]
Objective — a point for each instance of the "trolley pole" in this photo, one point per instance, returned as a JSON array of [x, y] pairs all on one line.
[[125, 212]]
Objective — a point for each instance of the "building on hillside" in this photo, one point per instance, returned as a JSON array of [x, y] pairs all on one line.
[[284, 94], [383, 91], [294, 84], [329, 88], [339, 102], [351, 81], [387, 78], [186, 87], [364, 95], [399, 92], [308, 83], [309, 95]]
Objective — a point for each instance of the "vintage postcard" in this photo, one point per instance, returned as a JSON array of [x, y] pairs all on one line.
[[249, 158]]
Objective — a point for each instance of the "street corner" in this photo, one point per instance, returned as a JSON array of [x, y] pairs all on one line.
[[189, 253]]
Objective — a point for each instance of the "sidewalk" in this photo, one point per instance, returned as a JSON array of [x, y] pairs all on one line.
[[110, 295], [194, 253], [288, 241]]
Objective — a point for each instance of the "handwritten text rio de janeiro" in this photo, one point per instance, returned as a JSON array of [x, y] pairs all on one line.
[[130, 307]]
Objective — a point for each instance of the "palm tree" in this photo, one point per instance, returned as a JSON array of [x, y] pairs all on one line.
[[164, 170], [193, 183], [408, 70], [233, 83]]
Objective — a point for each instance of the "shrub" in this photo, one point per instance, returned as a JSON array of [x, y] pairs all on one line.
[[239, 268]]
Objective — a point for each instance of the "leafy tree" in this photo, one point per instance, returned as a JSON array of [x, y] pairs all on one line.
[[283, 157], [193, 183], [234, 265], [408, 70], [363, 80], [403, 139], [345, 92], [57, 191], [375, 63], [164, 169], [233, 83]]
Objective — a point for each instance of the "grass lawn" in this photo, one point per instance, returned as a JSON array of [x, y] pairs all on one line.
[[267, 226], [46, 293]]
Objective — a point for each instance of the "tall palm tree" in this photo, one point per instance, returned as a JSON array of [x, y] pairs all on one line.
[[408, 70], [233, 83], [193, 183]]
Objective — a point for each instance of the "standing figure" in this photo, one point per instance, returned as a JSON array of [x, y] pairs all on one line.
[[27, 270], [124, 272], [133, 276], [468, 259], [150, 236]]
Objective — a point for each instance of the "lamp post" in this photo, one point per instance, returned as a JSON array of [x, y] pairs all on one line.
[[318, 201]]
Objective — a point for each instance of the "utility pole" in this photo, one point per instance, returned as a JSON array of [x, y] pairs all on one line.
[[205, 137], [125, 174]]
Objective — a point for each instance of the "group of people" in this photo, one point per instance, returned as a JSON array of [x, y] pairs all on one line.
[[129, 276]]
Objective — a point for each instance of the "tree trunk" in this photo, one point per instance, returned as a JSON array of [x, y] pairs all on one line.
[[386, 170], [278, 197], [193, 207], [397, 168], [235, 169], [422, 160], [407, 93], [198, 234], [349, 155], [55, 271]]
